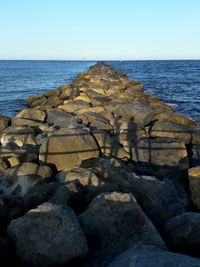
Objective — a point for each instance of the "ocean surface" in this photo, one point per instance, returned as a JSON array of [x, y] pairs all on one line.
[[174, 82]]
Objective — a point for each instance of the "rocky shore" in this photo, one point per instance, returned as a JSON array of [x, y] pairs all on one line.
[[99, 173]]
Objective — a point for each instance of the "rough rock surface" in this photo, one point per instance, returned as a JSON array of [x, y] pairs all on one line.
[[194, 180], [18, 180], [67, 148], [55, 234], [112, 153], [183, 230], [151, 256], [114, 221]]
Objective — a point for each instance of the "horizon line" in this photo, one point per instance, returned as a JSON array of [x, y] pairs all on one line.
[[89, 60]]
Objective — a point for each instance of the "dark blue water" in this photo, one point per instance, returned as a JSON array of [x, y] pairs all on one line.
[[175, 82]]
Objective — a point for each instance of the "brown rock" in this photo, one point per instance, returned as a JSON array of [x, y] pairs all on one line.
[[32, 114], [66, 148], [4, 123], [169, 129]]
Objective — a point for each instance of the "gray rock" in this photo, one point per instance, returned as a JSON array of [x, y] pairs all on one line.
[[158, 199], [195, 155], [18, 180], [61, 119], [113, 222], [151, 256], [194, 183], [48, 236], [183, 230]]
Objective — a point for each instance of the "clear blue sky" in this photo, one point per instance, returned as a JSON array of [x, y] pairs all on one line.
[[99, 29]]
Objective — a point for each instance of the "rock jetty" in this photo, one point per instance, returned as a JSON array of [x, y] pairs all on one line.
[[99, 173]]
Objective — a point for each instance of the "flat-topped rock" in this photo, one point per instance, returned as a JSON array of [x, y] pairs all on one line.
[[67, 148]]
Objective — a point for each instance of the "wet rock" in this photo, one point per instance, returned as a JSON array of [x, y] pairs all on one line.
[[55, 233], [113, 222], [67, 148], [152, 256], [18, 180]]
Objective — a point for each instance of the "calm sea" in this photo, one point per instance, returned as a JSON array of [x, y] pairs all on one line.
[[175, 82]]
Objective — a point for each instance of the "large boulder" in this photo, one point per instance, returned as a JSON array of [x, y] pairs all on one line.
[[4, 123], [55, 235], [32, 114], [194, 182], [18, 180], [173, 117], [164, 155], [67, 148], [169, 129], [151, 256], [183, 231], [158, 199], [195, 156], [113, 222], [61, 119], [141, 114], [18, 136]]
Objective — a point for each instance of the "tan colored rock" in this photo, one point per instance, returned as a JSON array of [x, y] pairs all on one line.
[[68, 92], [52, 93], [83, 97], [18, 135], [16, 157], [36, 100], [86, 177], [194, 181], [67, 148], [73, 106], [4, 123], [18, 180], [25, 122], [140, 114], [32, 114], [109, 146], [169, 129], [165, 155], [174, 117]]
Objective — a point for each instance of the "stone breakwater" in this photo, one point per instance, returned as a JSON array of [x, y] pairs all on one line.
[[99, 173]]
